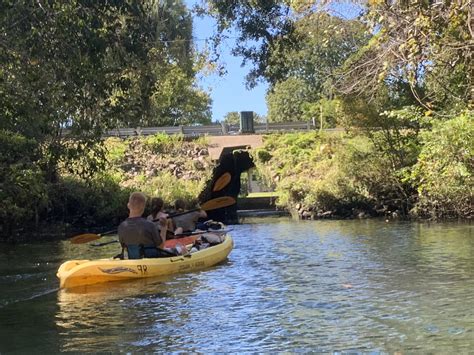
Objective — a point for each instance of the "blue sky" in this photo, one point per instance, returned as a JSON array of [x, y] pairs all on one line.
[[228, 93]]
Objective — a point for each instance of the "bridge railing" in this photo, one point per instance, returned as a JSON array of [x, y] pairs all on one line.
[[211, 130]]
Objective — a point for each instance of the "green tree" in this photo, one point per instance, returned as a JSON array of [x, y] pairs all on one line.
[[91, 66], [324, 44], [286, 100], [69, 71], [233, 118], [444, 171], [427, 46], [261, 26]]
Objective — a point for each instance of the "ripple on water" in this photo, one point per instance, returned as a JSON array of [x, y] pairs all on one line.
[[315, 286]]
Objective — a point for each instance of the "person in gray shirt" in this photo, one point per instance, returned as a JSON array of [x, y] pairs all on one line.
[[139, 236], [186, 222]]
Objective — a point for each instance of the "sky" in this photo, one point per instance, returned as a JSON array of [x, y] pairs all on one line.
[[228, 93]]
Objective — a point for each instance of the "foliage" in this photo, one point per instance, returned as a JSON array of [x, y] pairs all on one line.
[[259, 26], [171, 188], [97, 202], [116, 149], [163, 165], [327, 173], [286, 100], [175, 101], [295, 48], [445, 167], [325, 113], [425, 45], [90, 66], [22, 185], [163, 143], [324, 44], [69, 72], [233, 118]]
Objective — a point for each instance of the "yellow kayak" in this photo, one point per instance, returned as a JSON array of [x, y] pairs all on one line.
[[87, 272]]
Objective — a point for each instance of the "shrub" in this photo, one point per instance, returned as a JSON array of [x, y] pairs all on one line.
[[444, 171], [163, 143], [323, 172], [97, 202], [116, 149], [170, 188], [22, 184]]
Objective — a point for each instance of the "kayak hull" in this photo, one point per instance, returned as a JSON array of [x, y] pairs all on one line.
[[76, 273]]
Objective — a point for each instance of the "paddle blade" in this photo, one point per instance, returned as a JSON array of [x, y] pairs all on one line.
[[222, 182], [84, 238], [219, 202]]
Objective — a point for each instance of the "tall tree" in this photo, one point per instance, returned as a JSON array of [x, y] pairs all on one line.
[[427, 46], [262, 26], [324, 44], [295, 46], [90, 66]]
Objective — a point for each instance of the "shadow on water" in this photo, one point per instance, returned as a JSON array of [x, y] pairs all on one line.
[[320, 286]]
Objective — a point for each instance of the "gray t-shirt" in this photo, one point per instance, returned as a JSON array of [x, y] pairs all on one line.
[[138, 230], [187, 221]]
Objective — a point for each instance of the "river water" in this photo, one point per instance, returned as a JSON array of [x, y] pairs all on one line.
[[311, 286]]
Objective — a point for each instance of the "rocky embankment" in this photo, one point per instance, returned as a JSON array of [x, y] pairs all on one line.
[[187, 161]]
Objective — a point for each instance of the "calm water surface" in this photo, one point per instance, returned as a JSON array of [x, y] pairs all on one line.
[[319, 286]]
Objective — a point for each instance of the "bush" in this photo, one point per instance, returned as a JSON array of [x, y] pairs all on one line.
[[116, 149], [170, 188], [22, 184], [444, 171], [327, 173], [22, 197], [163, 143], [94, 203]]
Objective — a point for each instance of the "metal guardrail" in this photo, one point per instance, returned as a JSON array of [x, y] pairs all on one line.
[[211, 130]]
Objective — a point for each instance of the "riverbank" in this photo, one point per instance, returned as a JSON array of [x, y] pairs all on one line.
[[313, 175], [354, 175], [166, 166]]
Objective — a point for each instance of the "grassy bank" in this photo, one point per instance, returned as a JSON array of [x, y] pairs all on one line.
[[429, 175]]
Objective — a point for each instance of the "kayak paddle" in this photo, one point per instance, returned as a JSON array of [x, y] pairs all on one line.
[[222, 182], [89, 237], [173, 241]]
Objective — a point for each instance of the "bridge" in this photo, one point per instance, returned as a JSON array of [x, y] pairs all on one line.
[[209, 130], [221, 145], [228, 145]]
